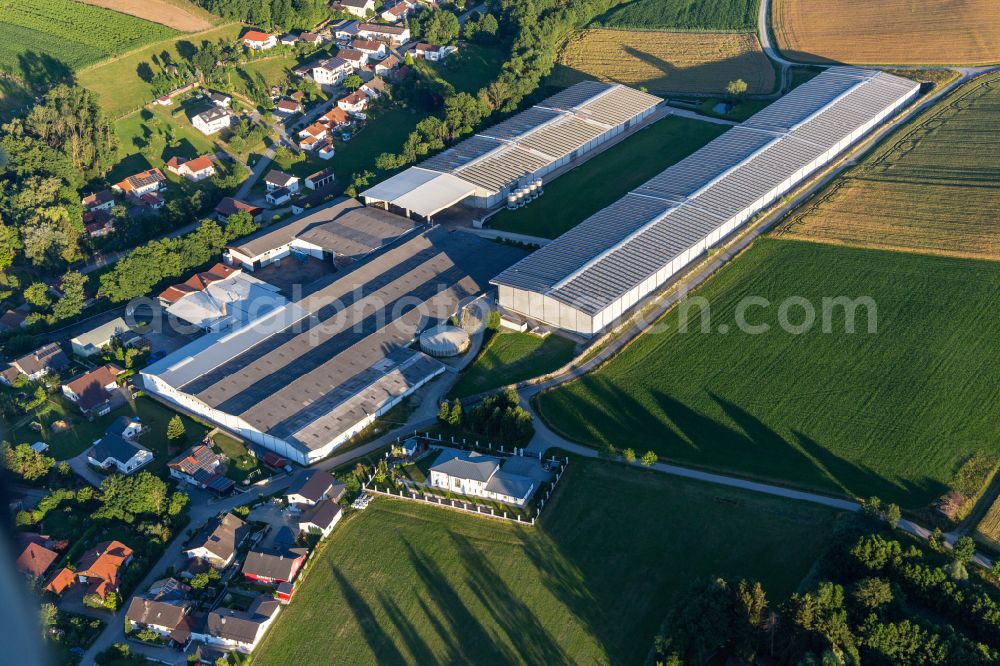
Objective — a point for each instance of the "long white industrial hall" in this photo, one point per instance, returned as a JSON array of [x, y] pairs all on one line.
[[588, 277], [483, 169]]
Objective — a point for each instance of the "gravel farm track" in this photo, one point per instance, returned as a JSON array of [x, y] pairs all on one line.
[[176, 14]]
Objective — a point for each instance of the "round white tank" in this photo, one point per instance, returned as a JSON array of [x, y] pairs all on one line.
[[533, 190], [511, 200], [444, 340]]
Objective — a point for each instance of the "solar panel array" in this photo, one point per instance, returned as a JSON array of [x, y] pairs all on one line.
[[615, 250], [541, 135]]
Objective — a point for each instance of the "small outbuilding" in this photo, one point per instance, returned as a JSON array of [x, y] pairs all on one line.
[[443, 341]]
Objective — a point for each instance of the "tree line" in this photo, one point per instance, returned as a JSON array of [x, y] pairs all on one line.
[[882, 600]]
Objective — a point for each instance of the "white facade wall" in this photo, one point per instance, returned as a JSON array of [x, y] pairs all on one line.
[[535, 306]]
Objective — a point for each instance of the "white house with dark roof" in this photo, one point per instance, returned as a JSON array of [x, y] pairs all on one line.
[[478, 475], [118, 449], [361, 8], [394, 34], [213, 120], [239, 630], [218, 541], [331, 71], [161, 617], [43, 361], [277, 179], [320, 518], [313, 487]]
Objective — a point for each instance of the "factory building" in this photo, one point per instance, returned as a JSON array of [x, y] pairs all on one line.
[[307, 376], [591, 275], [484, 169]]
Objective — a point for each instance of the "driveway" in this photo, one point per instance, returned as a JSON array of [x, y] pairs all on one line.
[[83, 469]]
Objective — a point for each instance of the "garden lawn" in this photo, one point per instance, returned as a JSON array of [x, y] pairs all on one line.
[[117, 82], [474, 67], [891, 414], [607, 177], [408, 583], [144, 141], [385, 133], [83, 433], [241, 464], [512, 357]]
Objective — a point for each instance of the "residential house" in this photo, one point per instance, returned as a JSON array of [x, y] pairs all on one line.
[[316, 131], [279, 196], [194, 170], [118, 449], [38, 553], [213, 120], [374, 50], [61, 581], [100, 567], [103, 200], [43, 361], [95, 393], [13, 320], [320, 179], [392, 34], [276, 179], [320, 518], [305, 69], [374, 88], [196, 283], [168, 589], [152, 200], [356, 102], [229, 205], [472, 473], [141, 183], [311, 38], [360, 8], [162, 617], [288, 39], [327, 150], [331, 72], [98, 223], [313, 487], [335, 117], [220, 100], [346, 32], [356, 59], [287, 107], [239, 630], [432, 52], [387, 65], [201, 467], [397, 12], [274, 565], [218, 541], [95, 340], [259, 41]]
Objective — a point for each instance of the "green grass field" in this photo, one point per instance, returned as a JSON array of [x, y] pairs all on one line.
[[511, 357], [708, 15], [43, 40], [607, 177], [117, 81], [151, 137], [891, 414], [591, 583], [932, 187]]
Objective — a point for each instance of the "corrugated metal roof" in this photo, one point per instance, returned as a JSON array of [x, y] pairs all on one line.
[[498, 156], [614, 250]]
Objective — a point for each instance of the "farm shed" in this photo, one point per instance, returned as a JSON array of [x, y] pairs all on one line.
[[588, 277], [486, 167], [306, 377]]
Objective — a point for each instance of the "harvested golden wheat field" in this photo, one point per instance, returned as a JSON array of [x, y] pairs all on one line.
[[988, 529], [934, 187], [685, 62], [892, 32], [177, 14]]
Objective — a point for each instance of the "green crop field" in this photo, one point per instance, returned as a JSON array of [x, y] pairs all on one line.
[[44, 40], [117, 81], [706, 15], [590, 584], [933, 187], [891, 414], [512, 357], [607, 177]]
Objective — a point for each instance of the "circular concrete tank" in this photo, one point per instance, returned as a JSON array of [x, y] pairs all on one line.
[[444, 341]]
